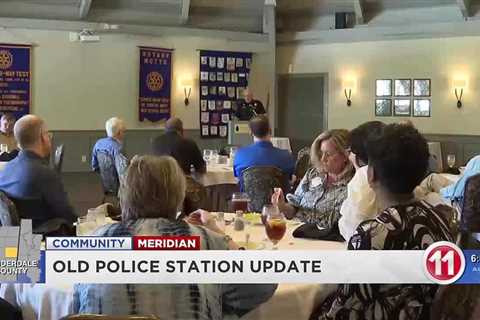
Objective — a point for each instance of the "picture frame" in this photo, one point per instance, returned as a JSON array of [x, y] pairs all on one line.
[[402, 107], [402, 87], [422, 108], [383, 107], [422, 87], [383, 87]]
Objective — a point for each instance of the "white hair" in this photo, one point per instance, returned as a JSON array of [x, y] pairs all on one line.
[[113, 126]]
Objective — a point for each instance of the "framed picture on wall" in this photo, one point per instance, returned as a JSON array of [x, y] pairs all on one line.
[[422, 107], [383, 88], [383, 107], [421, 87], [401, 107], [403, 87]]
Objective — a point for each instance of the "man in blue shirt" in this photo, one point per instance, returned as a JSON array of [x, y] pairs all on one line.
[[34, 187], [262, 152], [113, 143]]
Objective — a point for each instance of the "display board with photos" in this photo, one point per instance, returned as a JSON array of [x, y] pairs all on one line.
[[223, 78], [403, 97]]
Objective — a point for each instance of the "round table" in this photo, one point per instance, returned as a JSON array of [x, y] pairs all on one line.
[[290, 301]]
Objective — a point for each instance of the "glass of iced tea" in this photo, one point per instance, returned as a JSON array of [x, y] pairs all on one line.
[[275, 226], [240, 202]]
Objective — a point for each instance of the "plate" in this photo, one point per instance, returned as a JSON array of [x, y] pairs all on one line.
[[252, 245]]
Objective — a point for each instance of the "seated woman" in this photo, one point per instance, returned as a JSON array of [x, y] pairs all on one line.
[[454, 193], [322, 190], [403, 224], [360, 203], [150, 199]]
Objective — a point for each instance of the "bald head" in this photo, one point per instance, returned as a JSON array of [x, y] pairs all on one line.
[[28, 131], [174, 124]]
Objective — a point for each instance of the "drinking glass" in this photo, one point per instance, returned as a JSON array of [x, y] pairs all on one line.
[[207, 154], [3, 148], [240, 202], [268, 209], [276, 226], [451, 160]]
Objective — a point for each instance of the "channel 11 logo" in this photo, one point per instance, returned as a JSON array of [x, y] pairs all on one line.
[[443, 262]]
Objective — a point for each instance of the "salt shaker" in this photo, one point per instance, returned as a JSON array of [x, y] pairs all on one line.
[[238, 224]]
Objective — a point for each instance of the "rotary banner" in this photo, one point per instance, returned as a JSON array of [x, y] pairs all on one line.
[[15, 79], [155, 83]]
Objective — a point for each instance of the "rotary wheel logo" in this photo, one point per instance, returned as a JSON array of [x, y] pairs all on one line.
[[6, 59], [154, 81]]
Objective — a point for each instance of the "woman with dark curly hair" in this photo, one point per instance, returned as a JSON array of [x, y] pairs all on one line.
[[397, 162]]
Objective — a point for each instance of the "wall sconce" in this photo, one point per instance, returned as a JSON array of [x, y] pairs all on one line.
[[187, 89], [348, 87], [459, 85]]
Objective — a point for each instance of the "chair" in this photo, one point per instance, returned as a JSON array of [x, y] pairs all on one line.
[[8, 212], [302, 164], [195, 196], [111, 173], [58, 158], [470, 216], [219, 195], [258, 183], [107, 317]]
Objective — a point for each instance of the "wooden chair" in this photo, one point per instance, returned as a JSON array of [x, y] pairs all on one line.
[[258, 183], [107, 317]]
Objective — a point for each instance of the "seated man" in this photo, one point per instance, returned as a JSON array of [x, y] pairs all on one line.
[[184, 150], [34, 187], [112, 147], [262, 152], [7, 121]]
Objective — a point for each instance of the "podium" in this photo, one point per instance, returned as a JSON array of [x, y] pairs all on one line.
[[239, 133]]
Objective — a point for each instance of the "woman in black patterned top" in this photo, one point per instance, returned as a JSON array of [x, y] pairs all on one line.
[[398, 160]]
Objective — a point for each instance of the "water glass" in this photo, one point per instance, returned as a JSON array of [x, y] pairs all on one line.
[[3, 148], [207, 154], [451, 160]]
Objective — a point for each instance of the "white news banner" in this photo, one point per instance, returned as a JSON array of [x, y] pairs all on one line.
[[389, 266]]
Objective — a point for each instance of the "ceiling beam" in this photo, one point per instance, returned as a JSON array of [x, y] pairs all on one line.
[[185, 11], [464, 6], [84, 8], [359, 7]]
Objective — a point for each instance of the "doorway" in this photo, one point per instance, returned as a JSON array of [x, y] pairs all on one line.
[[302, 112]]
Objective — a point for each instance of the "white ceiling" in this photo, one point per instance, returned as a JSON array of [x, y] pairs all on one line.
[[234, 15]]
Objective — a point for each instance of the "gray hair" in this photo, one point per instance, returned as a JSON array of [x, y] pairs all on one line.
[[113, 126], [154, 188]]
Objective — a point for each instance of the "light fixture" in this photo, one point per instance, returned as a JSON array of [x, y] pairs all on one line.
[[459, 85], [187, 89], [348, 87]]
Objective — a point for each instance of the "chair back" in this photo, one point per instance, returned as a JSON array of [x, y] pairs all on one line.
[[108, 173], [303, 163], [470, 217], [195, 196], [107, 317], [8, 212], [218, 196], [258, 183], [58, 158]]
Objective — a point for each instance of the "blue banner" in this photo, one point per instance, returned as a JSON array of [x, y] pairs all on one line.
[[223, 77], [15, 79], [155, 84]]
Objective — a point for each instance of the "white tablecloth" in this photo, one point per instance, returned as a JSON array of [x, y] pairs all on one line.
[[290, 301], [217, 174]]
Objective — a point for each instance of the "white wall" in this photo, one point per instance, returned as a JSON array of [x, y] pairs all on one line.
[[442, 60], [77, 86]]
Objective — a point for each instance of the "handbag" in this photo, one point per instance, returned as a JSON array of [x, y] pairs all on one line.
[[312, 231]]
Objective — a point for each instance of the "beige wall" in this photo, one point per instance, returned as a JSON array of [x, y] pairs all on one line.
[[442, 60], [77, 86]]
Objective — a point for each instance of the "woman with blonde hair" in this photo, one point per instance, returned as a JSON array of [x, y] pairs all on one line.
[[150, 201], [320, 194]]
